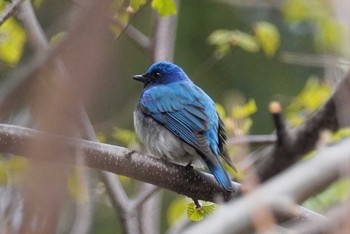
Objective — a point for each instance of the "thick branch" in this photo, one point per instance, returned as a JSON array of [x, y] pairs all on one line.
[[236, 217], [123, 161]]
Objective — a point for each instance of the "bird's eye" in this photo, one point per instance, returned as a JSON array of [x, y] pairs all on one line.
[[156, 75]]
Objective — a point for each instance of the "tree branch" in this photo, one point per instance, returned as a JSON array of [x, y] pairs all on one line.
[[123, 161], [9, 10], [35, 33], [252, 140], [301, 140], [236, 217]]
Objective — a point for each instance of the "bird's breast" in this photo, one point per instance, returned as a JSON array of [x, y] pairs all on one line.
[[160, 142]]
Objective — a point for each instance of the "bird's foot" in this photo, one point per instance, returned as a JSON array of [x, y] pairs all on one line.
[[131, 152], [189, 166], [197, 204]]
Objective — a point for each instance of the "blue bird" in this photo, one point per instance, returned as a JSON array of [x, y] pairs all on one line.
[[177, 120]]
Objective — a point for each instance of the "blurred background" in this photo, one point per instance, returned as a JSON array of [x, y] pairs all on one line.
[[244, 54]]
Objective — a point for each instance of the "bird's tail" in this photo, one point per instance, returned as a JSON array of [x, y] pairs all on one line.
[[220, 174]]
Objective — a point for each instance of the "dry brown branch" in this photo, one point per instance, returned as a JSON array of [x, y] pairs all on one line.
[[301, 140]]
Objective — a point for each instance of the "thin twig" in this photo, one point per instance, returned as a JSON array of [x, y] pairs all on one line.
[[125, 27], [134, 34], [35, 32], [312, 60], [9, 10], [163, 42], [252, 140], [142, 196]]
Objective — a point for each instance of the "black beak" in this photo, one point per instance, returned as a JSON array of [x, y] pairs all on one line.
[[141, 78]]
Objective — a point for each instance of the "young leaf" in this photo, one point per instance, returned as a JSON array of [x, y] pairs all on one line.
[[136, 4], [164, 7], [308, 100], [224, 39], [244, 111], [197, 214], [268, 36], [245, 41], [12, 39]]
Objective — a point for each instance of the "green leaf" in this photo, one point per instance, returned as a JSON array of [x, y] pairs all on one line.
[[300, 10], [244, 111], [245, 41], [164, 7], [268, 36], [12, 170], [221, 111], [331, 36], [197, 214], [308, 100], [341, 134], [101, 137], [224, 39], [136, 4], [176, 210], [12, 39], [58, 38], [221, 39]]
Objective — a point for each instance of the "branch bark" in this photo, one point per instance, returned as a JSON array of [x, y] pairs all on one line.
[[123, 161], [9, 10], [294, 185], [301, 140]]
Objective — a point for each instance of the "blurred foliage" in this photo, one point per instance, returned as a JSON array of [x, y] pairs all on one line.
[[198, 213], [164, 7], [137, 4], [341, 134], [314, 93], [244, 111], [176, 210], [330, 34], [12, 39], [239, 121], [225, 39], [12, 170], [268, 36], [77, 185], [124, 136], [58, 38], [124, 10]]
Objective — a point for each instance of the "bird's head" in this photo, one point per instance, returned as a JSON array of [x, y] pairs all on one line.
[[161, 73]]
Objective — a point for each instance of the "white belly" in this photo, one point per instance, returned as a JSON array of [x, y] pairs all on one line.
[[162, 143]]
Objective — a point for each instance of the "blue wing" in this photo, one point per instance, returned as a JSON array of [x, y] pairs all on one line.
[[186, 111], [190, 114]]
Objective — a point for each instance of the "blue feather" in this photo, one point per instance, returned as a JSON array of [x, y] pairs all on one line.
[[176, 103]]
